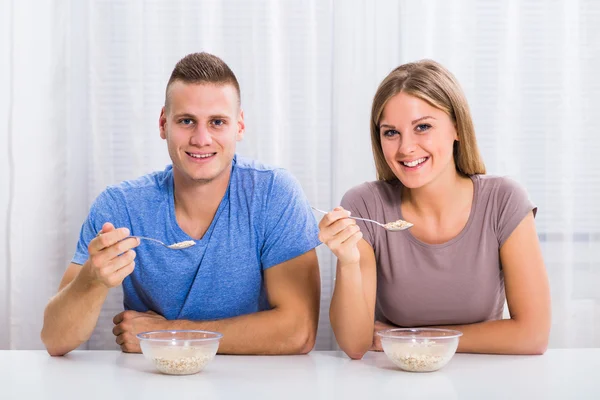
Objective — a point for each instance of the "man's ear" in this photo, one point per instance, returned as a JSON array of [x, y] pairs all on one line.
[[241, 126], [162, 121]]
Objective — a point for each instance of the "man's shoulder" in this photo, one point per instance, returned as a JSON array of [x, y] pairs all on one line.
[[145, 186], [258, 174], [251, 166]]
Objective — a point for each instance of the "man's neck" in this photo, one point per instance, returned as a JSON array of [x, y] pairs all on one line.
[[196, 203]]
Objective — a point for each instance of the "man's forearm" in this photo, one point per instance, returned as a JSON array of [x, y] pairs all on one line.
[[265, 332], [71, 315]]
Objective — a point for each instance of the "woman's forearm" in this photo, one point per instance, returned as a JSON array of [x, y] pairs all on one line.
[[351, 319], [507, 336]]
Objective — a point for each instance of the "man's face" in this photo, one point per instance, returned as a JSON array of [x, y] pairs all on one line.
[[202, 124]]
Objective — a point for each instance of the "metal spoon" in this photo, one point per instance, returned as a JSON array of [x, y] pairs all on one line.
[[175, 246], [395, 226]]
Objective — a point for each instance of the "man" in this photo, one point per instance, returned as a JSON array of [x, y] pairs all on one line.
[[253, 272]]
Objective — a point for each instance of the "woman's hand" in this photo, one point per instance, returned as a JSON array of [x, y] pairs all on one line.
[[379, 326], [341, 234]]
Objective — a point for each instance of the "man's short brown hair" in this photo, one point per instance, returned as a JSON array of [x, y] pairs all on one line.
[[202, 68]]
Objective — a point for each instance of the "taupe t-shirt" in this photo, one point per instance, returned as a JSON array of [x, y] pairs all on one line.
[[457, 282]]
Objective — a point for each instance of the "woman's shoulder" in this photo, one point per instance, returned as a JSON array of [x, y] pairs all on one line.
[[503, 194], [499, 186]]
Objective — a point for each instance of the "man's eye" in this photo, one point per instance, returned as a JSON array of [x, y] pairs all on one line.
[[390, 133], [186, 121], [422, 127], [218, 122]]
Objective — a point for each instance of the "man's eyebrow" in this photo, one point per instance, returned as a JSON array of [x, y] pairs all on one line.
[[191, 116], [185, 115], [218, 116]]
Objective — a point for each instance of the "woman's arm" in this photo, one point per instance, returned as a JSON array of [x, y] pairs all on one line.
[[528, 298], [353, 302]]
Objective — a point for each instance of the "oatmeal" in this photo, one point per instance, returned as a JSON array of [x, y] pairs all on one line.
[[182, 245], [399, 224], [181, 360], [420, 356]]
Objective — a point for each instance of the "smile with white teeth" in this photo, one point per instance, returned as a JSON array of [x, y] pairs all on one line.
[[201, 155], [415, 162]]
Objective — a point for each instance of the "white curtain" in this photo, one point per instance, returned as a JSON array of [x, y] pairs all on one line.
[[82, 83]]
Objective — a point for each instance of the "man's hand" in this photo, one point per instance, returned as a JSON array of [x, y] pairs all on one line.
[[379, 326], [129, 323], [111, 256]]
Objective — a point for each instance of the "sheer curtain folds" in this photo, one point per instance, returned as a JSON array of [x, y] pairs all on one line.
[[82, 84]]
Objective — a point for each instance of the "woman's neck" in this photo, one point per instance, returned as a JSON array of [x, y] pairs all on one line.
[[438, 197]]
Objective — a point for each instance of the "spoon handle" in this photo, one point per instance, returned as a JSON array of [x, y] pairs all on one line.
[[362, 219]]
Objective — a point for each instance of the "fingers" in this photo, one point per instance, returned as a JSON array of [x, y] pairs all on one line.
[[119, 268], [106, 240], [107, 227], [126, 315], [336, 223], [333, 216], [123, 273], [129, 343], [113, 273], [111, 252], [119, 317], [118, 330], [344, 235]]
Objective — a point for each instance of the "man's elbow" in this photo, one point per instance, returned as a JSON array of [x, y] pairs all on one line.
[[52, 349], [307, 344], [55, 342], [303, 341]]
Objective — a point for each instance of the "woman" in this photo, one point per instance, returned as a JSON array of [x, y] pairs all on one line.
[[473, 244]]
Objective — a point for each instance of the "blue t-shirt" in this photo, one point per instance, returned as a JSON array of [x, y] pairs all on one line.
[[263, 220]]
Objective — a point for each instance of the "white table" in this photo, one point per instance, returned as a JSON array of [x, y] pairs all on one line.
[[559, 374]]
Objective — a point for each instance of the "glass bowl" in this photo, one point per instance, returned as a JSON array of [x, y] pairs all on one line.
[[179, 352], [419, 349]]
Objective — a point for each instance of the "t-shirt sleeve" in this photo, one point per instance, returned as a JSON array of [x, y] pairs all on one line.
[[104, 209], [360, 202], [290, 226], [513, 206]]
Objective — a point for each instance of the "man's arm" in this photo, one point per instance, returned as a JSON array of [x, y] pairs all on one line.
[[290, 327], [71, 315]]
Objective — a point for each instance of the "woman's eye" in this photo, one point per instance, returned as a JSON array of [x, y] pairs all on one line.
[[422, 127], [390, 133]]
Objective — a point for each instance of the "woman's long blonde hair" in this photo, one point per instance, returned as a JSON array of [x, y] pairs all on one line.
[[430, 82]]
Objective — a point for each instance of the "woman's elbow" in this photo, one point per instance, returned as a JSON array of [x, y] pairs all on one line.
[[355, 351], [535, 342], [538, 346], [355, 354]]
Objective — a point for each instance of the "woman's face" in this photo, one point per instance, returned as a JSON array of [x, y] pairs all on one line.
[[417, 140]]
